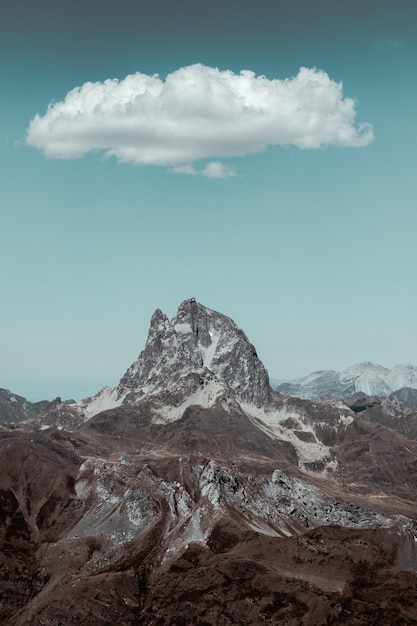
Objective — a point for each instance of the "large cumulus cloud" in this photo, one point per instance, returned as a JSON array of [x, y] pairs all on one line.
[[198, 113]]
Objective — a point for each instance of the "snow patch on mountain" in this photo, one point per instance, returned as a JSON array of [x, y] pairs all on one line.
[[106, 399], [205, 397], [300, 434], [209, 352]]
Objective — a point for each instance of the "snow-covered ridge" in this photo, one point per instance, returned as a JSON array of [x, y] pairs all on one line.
[[368, 378]]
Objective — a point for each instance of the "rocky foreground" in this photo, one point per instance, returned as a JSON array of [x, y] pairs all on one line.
[[194, 494]]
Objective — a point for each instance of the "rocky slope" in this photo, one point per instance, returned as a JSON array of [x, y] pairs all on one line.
[[192, 493], [15, 409]]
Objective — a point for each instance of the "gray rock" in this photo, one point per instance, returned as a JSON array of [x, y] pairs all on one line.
[[198, 337]]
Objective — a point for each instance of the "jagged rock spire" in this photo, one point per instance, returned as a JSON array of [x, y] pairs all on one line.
[[198, 337]]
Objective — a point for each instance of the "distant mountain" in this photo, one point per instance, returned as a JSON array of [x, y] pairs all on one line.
[[16, 409], [193, 493], [366, 378]]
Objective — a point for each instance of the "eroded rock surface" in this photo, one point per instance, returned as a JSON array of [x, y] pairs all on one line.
[[194, 494]]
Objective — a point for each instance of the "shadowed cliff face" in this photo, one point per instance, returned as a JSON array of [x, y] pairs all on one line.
[[204, 498]]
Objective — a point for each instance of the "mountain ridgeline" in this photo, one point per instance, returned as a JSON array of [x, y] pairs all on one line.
[[194, 493], [361, 379]]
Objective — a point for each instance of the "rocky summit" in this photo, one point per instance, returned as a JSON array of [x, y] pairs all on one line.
[[198, 339], [194, 494]]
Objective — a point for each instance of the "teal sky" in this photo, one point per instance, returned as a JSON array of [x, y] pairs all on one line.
[[311, 251]]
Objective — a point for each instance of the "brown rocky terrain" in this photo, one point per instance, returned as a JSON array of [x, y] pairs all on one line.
[[186, 502]]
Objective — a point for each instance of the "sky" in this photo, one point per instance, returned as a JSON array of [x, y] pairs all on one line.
[[260, 157]]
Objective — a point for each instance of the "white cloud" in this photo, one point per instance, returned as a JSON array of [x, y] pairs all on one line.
[[198, 113], [215, 169], [212, 169]]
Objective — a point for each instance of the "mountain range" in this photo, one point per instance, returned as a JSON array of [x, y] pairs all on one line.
[[363, 378], [194, 493]]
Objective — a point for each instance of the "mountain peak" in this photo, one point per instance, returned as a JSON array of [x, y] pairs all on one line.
[[198, 337]]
